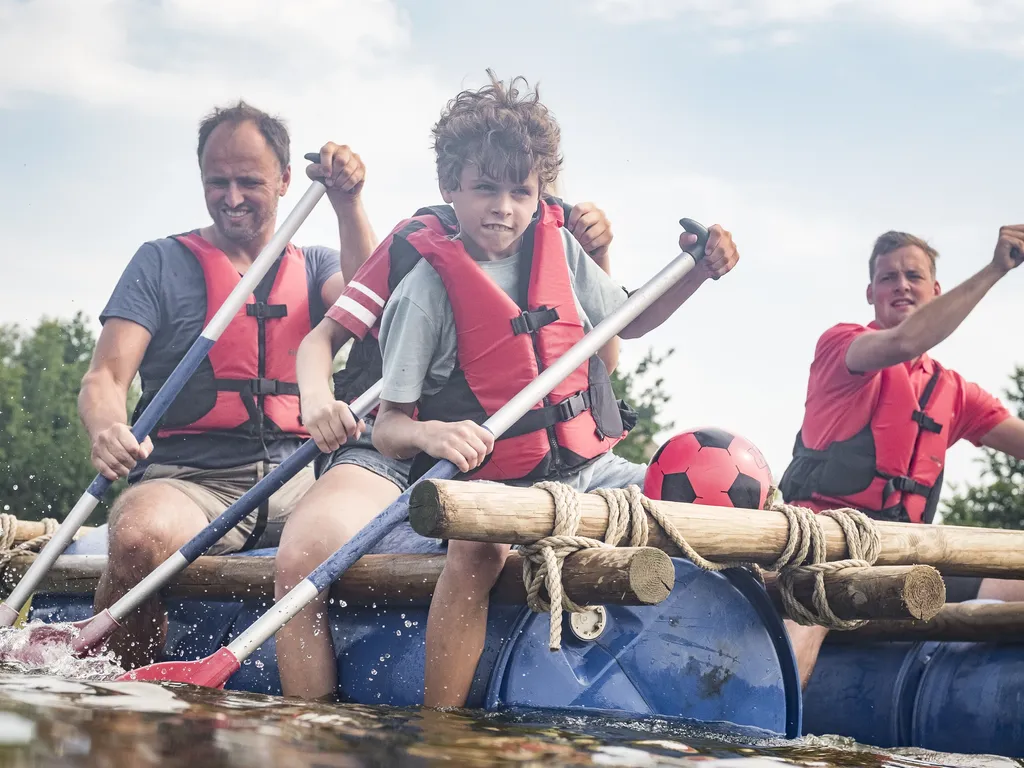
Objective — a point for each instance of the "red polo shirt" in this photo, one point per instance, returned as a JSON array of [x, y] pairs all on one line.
[[840, 403]]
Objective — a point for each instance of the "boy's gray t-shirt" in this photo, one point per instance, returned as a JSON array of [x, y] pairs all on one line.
[[417, 330]]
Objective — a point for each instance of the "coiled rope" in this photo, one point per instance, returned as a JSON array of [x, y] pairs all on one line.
[[628, 510]]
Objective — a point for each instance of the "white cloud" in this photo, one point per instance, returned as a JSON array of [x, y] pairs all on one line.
[[987, 24]]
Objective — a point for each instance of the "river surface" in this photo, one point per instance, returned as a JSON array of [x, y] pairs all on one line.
[[71, 713]]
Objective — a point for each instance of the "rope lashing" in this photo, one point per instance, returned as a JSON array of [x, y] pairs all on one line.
[[8, 535], [628, 509]]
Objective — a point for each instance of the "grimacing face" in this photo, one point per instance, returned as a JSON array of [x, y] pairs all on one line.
[[493, 215], [903, 283], [242, 182]]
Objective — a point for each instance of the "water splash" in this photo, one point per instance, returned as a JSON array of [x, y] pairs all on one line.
[[41, 647]]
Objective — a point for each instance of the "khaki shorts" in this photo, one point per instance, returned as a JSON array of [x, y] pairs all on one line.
[[214, 490]]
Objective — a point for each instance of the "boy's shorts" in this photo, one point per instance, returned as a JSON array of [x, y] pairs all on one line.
[[214, 490], [361, 453], [609, 471]]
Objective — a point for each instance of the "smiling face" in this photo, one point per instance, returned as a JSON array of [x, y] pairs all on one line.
[[493, 215], [904, 281], [243, 181]]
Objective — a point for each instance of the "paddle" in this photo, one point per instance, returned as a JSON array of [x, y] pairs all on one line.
[[215, 670], [94, 630], [10, 607]]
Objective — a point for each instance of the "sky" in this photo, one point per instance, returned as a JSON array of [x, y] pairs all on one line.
[[804, 127]]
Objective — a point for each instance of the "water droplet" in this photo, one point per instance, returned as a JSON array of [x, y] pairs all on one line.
[[15, 487], [398, 632], [403, 615], [259, 664], [408, 623], [342, 604], [6, 507], [387, 655], [373, 671], [382, 658]]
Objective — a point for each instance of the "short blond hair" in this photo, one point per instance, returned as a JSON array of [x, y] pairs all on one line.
[[893, 241]]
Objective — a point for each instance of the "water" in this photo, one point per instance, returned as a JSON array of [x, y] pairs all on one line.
[[58, 721]]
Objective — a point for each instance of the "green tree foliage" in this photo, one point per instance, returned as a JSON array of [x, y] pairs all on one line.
[[44, 450], [648, 398], [997, 500]]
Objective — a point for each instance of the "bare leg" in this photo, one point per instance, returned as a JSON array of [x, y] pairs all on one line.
[[806, 644], [336, 508], [457, 622], [1007, 590], [149, 522]]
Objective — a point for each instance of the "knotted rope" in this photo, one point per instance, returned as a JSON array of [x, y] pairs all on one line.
[[8, 534], [628, 509]]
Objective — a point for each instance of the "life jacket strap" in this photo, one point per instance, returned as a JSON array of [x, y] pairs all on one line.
[[257, 387], [926, 422], [532, 321], [261, 310], [542, 418]]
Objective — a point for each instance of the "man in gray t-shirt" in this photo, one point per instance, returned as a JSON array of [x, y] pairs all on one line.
[[234, 421]]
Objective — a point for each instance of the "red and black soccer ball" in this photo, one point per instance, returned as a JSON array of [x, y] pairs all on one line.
[[709, 466]]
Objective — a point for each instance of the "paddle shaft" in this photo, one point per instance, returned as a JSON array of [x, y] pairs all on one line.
[[147, 421], [307, 590], [232, 516]]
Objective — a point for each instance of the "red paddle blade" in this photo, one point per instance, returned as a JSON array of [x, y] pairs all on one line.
[[93, 632], [211, 672], [36, 644]]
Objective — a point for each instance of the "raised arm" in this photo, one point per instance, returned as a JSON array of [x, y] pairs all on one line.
[[720, 256], [343, 173], [591, 228], [102, 400], [936, 320]]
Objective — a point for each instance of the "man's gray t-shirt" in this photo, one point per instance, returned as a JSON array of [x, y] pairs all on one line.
[[163, 290], [417, 330]]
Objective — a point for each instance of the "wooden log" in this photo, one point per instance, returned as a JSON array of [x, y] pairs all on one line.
[[26, 530], [955, 622], [620, 576], [493, 512], [889, 592]]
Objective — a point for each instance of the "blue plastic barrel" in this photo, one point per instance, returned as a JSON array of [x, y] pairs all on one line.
[[865, 691], [971, 699], [715, 651]]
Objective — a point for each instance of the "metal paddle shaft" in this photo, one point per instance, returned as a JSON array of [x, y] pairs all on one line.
[[215, 670], [93, 631], [10, 608]]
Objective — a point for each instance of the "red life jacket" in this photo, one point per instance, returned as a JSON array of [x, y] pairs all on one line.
[[247, 383], [891, 469], [501, 348], [363, 367]]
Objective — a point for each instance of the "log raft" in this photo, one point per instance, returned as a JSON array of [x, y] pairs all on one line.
[[955, 622], [500, 513], [619, 576]]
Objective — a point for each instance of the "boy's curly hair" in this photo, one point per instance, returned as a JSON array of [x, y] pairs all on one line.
[[504, 134]]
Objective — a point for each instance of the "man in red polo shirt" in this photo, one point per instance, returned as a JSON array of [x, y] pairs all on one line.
[[880, 413]]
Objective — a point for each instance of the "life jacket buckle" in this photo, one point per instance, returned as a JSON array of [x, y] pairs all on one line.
[[573, 406], [926, 422], [261, 310], [532, 321]]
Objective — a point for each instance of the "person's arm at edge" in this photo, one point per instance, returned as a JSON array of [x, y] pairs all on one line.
[[936, 321]]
